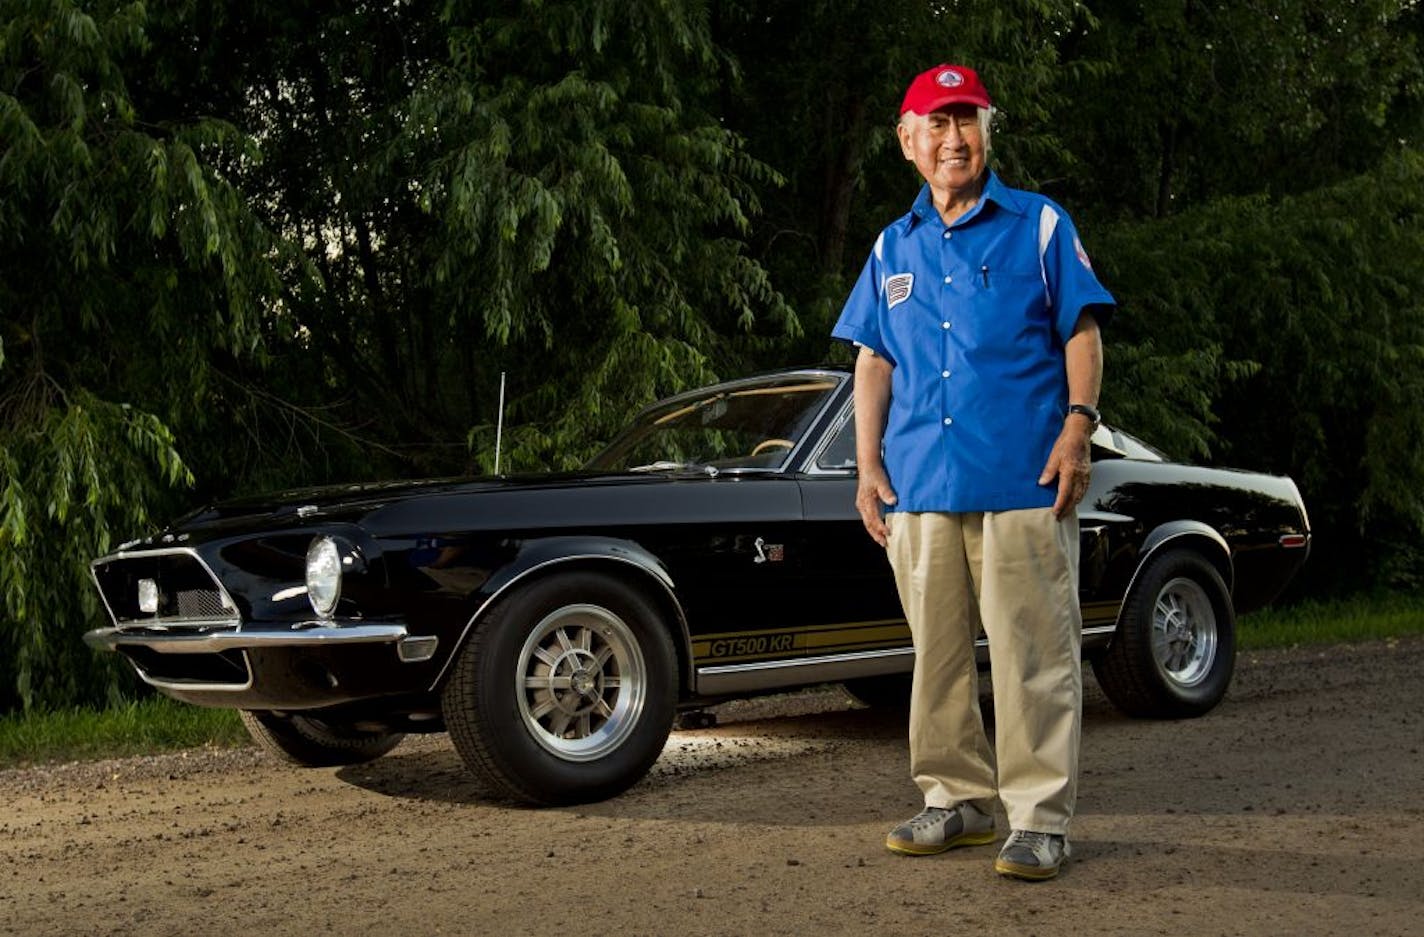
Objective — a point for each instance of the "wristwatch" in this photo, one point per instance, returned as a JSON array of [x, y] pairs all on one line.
[[1094, 417]]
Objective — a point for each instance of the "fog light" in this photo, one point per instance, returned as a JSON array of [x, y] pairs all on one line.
[[148, 596]]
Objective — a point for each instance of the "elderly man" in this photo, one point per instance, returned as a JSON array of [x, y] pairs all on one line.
[[979, 364]]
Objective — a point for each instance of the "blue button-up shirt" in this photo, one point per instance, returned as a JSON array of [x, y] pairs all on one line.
[[973, 317]]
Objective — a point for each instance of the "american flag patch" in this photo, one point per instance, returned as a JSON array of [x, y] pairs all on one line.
[[897, 289], [1082, 254]]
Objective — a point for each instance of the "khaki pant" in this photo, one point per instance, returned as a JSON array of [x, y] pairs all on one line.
[[1016, 574]]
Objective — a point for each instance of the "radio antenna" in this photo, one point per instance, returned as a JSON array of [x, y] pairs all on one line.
[[499, 424]]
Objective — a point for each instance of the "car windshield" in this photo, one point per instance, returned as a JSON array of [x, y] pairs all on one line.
[[741, 426]]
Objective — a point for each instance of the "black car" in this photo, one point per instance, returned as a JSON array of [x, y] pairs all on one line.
[[556, 624]]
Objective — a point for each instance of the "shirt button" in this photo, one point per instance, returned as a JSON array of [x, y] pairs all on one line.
[[948, 421], [944, 325], [949, 279], [944, 374], [948, 235]]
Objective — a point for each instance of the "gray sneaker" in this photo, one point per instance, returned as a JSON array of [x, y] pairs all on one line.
[[936, 829], [1033, 856]]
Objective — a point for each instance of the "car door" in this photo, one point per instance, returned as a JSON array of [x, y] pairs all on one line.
[[727, 545], [849, 588]]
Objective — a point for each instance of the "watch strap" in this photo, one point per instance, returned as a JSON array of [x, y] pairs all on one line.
[[1088, 411]]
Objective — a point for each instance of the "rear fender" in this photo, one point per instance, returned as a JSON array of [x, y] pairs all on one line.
[[1205, 539]]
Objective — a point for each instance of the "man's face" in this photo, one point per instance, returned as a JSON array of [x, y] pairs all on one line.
[[946, 146]]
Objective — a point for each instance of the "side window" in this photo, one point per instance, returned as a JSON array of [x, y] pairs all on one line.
[[840, 454]]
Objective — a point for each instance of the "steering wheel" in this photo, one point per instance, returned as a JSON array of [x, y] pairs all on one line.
[[772, 443]]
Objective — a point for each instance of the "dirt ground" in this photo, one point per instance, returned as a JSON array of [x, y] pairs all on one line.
[[1295, 808]]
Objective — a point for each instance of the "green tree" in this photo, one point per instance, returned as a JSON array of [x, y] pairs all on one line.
[[592, 212], [535, 188], [439, 196], [1197, 100], [129, 262], [1288, 337], [818, 95], [350, 387]]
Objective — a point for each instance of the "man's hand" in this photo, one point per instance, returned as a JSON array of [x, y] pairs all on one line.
[[872, 403], [1071, 463], [1071, 459], [872, 492]]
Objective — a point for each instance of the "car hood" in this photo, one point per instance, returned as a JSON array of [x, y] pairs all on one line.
[[361, 497], [353, 503]]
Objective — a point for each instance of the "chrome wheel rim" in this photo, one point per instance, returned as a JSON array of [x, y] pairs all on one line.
[[1184, 632], [581, 682]]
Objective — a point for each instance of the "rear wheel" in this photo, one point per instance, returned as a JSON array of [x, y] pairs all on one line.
[[316, 743], [1175, 648], [565, 692]]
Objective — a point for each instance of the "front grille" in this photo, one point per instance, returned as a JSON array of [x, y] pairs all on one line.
[[189, 595], [201, 603]]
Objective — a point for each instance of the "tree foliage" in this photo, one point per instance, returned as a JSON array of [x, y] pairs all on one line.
[[1198, 100], [129, 263], [593, 214], [819, 97], [1288, 336]]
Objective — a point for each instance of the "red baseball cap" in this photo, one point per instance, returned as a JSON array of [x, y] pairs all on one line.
[[941, 85]]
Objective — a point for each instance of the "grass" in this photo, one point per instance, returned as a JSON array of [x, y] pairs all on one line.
[[160, 724], [142, 728], [1338, 621]]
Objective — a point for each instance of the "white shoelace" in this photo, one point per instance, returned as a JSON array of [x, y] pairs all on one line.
[[1030, 838], [929, 817]]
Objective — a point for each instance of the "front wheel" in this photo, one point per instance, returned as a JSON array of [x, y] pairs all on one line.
[[1175, 648], [565, 692], [316, 743]]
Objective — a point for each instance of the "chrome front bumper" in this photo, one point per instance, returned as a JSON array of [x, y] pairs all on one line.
[[300, 666], [174, 641]]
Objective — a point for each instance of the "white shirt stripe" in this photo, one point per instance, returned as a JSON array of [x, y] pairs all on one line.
[[1047, 224]]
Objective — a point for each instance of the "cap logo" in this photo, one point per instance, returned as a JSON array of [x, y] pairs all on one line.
[[949, 78]]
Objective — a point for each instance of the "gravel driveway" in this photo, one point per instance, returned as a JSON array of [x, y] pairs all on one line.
[[1295, 808]]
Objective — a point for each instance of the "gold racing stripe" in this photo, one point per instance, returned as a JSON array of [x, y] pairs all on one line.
[[738, 646], [730, 647], [1097, 614]]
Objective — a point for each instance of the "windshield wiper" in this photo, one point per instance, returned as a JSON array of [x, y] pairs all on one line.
[[663, 465]]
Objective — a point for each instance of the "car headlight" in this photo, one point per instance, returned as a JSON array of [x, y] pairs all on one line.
[[323, 575]]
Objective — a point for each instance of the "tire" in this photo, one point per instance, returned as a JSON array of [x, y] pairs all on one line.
[[565, 692], [888, 691], [1175, 648], [313, 743]]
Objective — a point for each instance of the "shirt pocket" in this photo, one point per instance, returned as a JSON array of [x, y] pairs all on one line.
[[1011, 313], [1016, 281]]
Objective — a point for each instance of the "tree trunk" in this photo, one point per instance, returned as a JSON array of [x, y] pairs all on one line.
[[839, 183], [1164, 176]]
